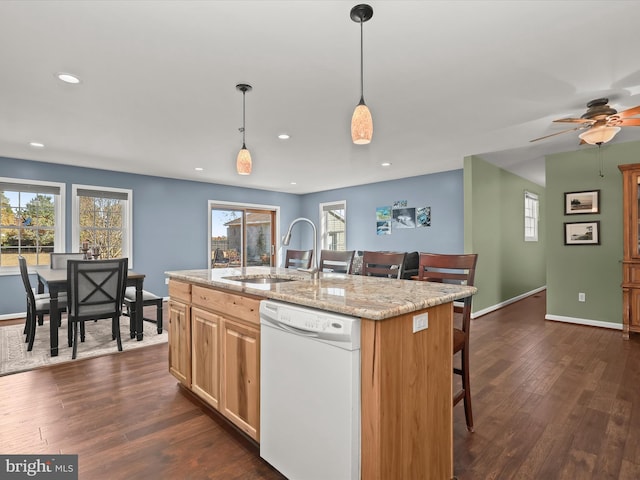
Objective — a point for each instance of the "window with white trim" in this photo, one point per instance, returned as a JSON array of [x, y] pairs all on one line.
[[102, 221], [531, 216], [333, 225], [31, 221]]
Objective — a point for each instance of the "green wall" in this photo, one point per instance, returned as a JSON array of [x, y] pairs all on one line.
[[593, 269], [508, 267]]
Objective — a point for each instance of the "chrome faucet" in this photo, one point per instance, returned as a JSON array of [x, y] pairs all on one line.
[[314, 260]]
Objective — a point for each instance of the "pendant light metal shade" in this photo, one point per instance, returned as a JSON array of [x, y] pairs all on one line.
[[361, 121], [243, 162]]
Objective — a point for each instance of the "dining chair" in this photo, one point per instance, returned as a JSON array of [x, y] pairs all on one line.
[[58, 261], [148, 299], [458, 269], [337, 261], [37, 304], [383, 264], [95, 290], [298, 259]]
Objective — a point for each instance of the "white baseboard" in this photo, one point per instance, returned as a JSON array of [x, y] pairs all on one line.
[[13, 316], [498, 306], [584, 321]]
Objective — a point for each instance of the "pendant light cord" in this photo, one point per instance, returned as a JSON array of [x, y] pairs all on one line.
[[244, 92], [361, 63]]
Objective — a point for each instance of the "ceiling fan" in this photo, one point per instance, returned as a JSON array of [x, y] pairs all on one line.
[[600, 122]]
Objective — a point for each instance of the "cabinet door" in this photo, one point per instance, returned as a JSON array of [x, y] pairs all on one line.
[[241, 376], [180, 342], [634, 314], [205, 355]]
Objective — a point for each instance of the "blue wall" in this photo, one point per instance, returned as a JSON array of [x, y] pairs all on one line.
[[443, 192], [170, 218]]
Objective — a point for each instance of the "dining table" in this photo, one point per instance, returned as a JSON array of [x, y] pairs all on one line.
[[55, 280]]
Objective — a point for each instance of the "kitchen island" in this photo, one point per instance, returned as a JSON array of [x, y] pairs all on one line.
[[406, 377]]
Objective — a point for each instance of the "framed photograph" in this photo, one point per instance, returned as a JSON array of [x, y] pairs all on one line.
[[582, 233], [576, 203]]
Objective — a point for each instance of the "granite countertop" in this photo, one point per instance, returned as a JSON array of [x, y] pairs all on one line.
[[369, 297]]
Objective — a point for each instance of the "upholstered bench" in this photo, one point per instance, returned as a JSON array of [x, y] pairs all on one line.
[[148, 298]]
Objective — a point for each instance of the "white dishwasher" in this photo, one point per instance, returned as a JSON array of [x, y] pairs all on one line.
[[309, 392]]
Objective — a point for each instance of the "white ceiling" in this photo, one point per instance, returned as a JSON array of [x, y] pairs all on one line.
[[443, 79]]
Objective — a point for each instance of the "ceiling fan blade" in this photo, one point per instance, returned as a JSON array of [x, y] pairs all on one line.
[[631, 112], [629, 122], [580, 127], [575, 120]]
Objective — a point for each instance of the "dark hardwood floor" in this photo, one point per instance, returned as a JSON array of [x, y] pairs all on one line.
[[550, 401]]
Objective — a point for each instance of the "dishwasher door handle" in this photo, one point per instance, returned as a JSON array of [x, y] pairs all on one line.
[[294, 330]]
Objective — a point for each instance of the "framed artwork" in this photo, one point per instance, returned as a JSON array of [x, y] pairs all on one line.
[[582, 233], [577, 203], [423, 217], [403, 218], [383, 227]]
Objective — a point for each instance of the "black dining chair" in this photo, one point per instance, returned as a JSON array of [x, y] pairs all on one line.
[[95, 290], [148, 299], [58, 261], [38, 304]]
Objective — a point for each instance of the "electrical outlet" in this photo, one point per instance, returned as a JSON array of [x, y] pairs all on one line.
[[582, 297], [166, 281], [420, 322]]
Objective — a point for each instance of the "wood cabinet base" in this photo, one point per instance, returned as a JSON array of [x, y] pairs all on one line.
[[407, 410]]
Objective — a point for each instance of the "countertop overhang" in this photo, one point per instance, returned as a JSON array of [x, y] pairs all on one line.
[[367, 297]]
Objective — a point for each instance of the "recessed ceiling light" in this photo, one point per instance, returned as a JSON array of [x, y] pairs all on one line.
[[67, 77], [386, 164], [293, 183], [284, 136], [36, 144], [199, 169]]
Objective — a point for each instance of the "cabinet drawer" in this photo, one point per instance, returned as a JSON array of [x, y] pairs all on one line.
[[229, 304], [180, 291]]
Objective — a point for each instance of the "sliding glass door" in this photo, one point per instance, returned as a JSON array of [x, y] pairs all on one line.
[[241, 236]]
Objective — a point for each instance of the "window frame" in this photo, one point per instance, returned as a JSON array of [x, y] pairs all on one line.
[[59, 212], [535, 217], [127, 247], [324, 233], [226, 205]]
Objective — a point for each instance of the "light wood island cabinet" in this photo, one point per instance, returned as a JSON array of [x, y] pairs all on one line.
[[180, 331], [631, 249], [241, 375], [406, 374], [205, 355], [222, 351]]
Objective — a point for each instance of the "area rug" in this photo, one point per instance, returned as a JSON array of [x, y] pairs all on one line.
[[14, 357]]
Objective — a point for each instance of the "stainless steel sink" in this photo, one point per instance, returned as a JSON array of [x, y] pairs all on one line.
[[259, 280]]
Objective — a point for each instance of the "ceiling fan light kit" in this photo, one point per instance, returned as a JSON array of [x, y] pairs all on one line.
[[243, 161], [599, 135], [361, 121]]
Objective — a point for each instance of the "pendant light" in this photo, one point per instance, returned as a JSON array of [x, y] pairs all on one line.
[[361, 122], [243, 162]]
